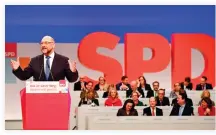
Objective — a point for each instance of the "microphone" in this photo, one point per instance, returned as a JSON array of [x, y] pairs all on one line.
[[50, 72], [41, 72]]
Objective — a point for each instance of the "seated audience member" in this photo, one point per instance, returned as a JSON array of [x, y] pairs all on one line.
[[143, 85], [80, 85], [203, 84], [152, 110], [106, 93], [206, 108], [182, 108], [207, 94], [174, 93], [133, 85], [102, 85], [88, 87], [187, 100], [128, 109], [154, 92], [187, 85], [161, 99], [113, 99], [123, 85], [89, 100], [135, 98]]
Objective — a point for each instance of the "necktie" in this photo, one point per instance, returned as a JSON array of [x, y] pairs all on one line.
[[47, 71], [153, 114], [161, 103]]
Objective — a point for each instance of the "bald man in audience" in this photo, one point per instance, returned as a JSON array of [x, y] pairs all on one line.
[[134, 88], [49, 66], [80, 85], [152, 110]]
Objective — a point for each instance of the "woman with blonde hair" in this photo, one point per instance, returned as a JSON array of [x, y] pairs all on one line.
[[206, 94], [106, 93], [113, 98], [102, 85]]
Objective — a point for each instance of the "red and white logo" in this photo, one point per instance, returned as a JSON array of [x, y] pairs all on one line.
[[62, 83], [10, 50]]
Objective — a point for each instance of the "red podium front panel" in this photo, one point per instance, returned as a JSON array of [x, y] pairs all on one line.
[[45, 111]]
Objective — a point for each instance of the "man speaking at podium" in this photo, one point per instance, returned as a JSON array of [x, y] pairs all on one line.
[[48, 66]]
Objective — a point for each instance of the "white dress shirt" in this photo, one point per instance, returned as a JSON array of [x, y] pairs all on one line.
[[204, 87], [144, 91], [155, 93], [50, 60], [154, 110], [121, 88], [185, 88], [181, 109]]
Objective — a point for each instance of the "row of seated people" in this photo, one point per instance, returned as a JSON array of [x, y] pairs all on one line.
[[182, 105], [159, 94], [142, 85]]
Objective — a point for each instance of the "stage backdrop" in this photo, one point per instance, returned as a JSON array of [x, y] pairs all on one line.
[[114, 40]]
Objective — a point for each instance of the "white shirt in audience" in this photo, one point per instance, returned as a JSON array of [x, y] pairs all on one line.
[[154, 111]]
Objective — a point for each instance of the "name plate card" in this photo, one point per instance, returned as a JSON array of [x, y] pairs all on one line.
[[47, 86]]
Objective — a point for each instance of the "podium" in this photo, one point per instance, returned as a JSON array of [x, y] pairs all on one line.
[[45, 105]]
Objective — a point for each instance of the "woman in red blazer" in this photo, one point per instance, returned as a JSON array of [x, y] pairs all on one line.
[[113, 98], [206, 108]]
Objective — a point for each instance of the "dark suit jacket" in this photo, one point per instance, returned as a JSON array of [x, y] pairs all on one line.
[[96, 87], [147, 87], [129, 92], [189, 102], [150, 93], [119, 85], [208, 86], [188, 111], [82, 101], [122, 112], [77, 86], [189, 87], [105, 94], [59, 70], [164, 102], [147, 111]]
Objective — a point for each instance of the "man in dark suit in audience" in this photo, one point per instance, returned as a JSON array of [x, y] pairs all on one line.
[[154, 92], [203, 84], [134, 88], [152, 110], [80, 85], [187, 85], [188, 101], [182, 108], [123, 85], [161, 99]]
